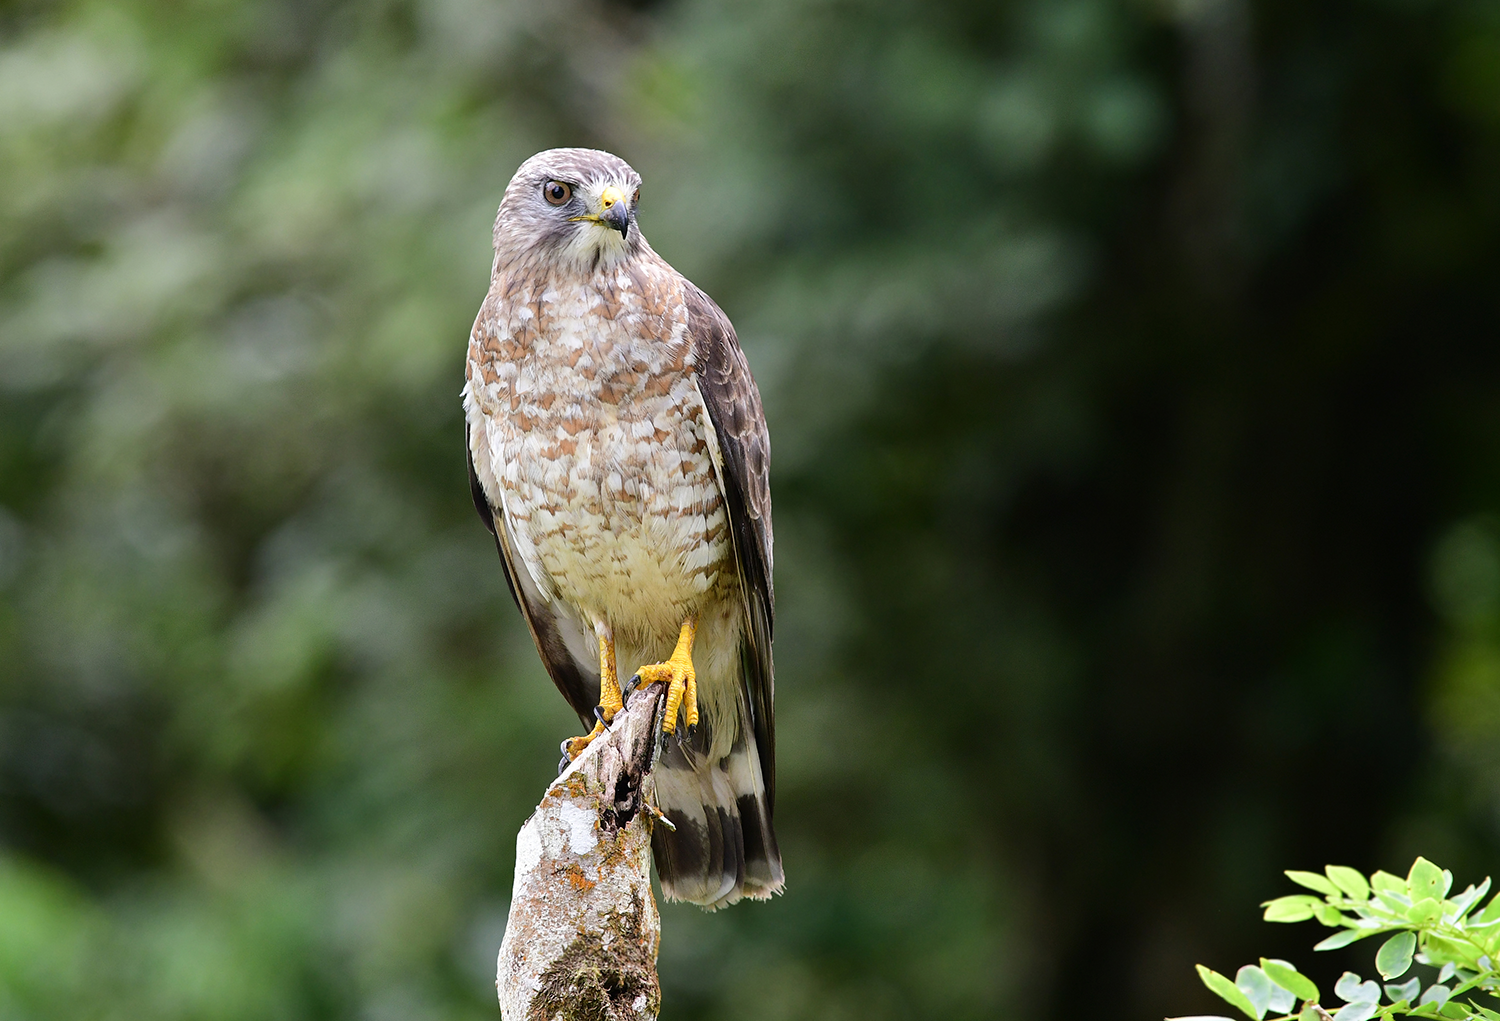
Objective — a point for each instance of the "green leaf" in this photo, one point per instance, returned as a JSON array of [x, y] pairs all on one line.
[[1289, 978], [1383, 880], [1437, 994], [1424, 880], [1491, 911], [1424, 911], [1328, 914], [1349, 880], [1297, 907], [1256, 986], [1313, 881], [1227, 991], [1473, 895], [1343, 939], [1407, 991], [1394, 956], [1395, 902], [1352, 988], [1443, 951]]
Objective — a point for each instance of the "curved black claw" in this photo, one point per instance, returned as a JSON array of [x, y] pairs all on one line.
[[599, 715], [563, 764], [629, 686]]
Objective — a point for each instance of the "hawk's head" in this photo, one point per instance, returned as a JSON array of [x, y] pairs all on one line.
[[571, 207]]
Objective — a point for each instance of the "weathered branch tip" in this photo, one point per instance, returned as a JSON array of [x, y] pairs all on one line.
[[581, 940]]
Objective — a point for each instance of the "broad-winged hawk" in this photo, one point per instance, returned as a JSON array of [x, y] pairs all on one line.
[[618, 452]]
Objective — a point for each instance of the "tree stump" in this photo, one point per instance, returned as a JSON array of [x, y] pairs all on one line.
[[583, 931]]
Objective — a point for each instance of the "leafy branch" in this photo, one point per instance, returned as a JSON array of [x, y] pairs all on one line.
[[1426, 927]]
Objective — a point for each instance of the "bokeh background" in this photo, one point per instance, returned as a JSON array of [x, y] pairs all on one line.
[[1133, 376]]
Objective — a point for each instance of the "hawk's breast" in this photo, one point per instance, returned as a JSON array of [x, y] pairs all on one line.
[[598, 442]]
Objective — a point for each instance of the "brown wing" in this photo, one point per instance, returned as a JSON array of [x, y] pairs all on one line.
[[578, 681], [745, 451]]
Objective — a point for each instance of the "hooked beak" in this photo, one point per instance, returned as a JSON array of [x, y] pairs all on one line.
[[614, 210]]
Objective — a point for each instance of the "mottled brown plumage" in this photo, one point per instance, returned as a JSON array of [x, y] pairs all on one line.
[[618, 451]]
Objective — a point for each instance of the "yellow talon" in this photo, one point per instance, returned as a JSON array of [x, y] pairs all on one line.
[[681, 679], [574, 746]]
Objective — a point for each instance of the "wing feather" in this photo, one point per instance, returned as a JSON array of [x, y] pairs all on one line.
[[742, 449]]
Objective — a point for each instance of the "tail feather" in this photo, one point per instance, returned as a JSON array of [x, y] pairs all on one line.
[[723, 847]]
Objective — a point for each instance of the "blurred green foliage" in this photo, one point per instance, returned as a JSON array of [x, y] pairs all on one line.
[[1454, 936], [1133, 381]]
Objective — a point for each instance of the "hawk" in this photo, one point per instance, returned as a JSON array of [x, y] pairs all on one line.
[[618, 453]]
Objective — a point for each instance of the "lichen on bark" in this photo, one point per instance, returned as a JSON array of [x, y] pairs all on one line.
[[597, 978]]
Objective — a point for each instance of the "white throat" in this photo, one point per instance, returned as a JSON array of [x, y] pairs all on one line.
[[594, 247]]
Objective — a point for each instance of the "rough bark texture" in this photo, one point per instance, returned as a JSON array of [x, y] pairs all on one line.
[[583, 932]]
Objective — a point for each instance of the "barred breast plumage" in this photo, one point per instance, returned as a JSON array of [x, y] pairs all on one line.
[[608, 481]]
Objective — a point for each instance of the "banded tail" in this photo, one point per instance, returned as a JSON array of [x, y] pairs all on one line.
[[724, 847]]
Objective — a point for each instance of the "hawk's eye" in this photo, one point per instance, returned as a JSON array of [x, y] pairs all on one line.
[[635, 199], [556, 192]]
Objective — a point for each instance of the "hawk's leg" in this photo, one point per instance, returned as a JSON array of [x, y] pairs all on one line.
[[611, 700], [680, 677]]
